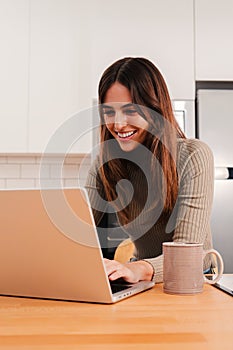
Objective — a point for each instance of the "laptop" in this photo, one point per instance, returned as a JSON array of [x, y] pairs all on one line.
[[226, 283], [49, 248]]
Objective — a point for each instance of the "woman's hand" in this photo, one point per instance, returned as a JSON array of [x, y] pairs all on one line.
[[131, 272]]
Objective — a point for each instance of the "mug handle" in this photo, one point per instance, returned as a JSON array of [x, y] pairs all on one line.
[[220, 266]]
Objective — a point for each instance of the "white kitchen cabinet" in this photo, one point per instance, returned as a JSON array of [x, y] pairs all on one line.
[[58, 88], [160, 30], [14, 61], [54, 52], [72, 42], [213, 39]]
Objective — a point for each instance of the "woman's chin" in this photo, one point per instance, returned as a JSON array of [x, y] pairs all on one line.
[[127, 146]]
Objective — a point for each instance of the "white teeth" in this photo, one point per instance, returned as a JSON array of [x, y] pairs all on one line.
[[125, 134]]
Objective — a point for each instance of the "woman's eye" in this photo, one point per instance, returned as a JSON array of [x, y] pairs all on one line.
[[109, 113], [130, 112]]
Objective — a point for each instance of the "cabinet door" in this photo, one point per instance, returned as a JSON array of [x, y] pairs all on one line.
[[58, 88], [214, 32], [14, 58], [158, 30], [222, 221]]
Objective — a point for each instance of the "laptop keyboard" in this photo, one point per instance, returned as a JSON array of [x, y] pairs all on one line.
[[117, 286]]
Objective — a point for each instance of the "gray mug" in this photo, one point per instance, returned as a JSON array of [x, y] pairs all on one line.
[[183, 267]]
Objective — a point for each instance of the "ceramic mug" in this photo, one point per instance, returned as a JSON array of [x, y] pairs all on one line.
[[183, 267]]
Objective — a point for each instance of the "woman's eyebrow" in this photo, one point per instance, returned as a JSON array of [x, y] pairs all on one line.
[[124, 106], [106, 106], [128, 105]]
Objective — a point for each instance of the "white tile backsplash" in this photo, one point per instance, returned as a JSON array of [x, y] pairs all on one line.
[[50, 159], [23, 171], [20, 183], [9, 171], [49, 183], [2, 184], [73, 183], [65, 171], [21, 160], [29, 171]]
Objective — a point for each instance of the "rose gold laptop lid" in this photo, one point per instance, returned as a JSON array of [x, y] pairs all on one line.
[[49, 247]]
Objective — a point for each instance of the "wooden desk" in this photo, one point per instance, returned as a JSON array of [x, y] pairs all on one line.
[[150, 320]]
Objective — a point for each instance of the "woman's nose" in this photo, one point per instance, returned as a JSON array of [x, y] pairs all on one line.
[[120, 120]]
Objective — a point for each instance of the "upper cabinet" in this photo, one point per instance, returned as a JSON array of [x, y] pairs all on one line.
[[53, 54], [161, 31], [14, 67], [213, 35], [58, 87], [72, 42], [45, 76]]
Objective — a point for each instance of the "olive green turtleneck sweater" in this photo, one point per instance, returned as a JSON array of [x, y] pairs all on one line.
[[190, 219]]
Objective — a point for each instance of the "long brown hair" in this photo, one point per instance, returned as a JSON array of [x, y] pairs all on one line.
[[148, 89]]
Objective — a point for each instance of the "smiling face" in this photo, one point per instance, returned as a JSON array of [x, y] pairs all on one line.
[[122, 119]]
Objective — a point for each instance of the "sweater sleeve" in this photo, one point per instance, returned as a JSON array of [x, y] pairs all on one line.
[[190, 219]]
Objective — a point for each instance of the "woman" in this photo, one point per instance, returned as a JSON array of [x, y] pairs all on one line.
[[159, 182]]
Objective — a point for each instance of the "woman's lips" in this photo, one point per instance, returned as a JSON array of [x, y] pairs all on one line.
[[125, 135]]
